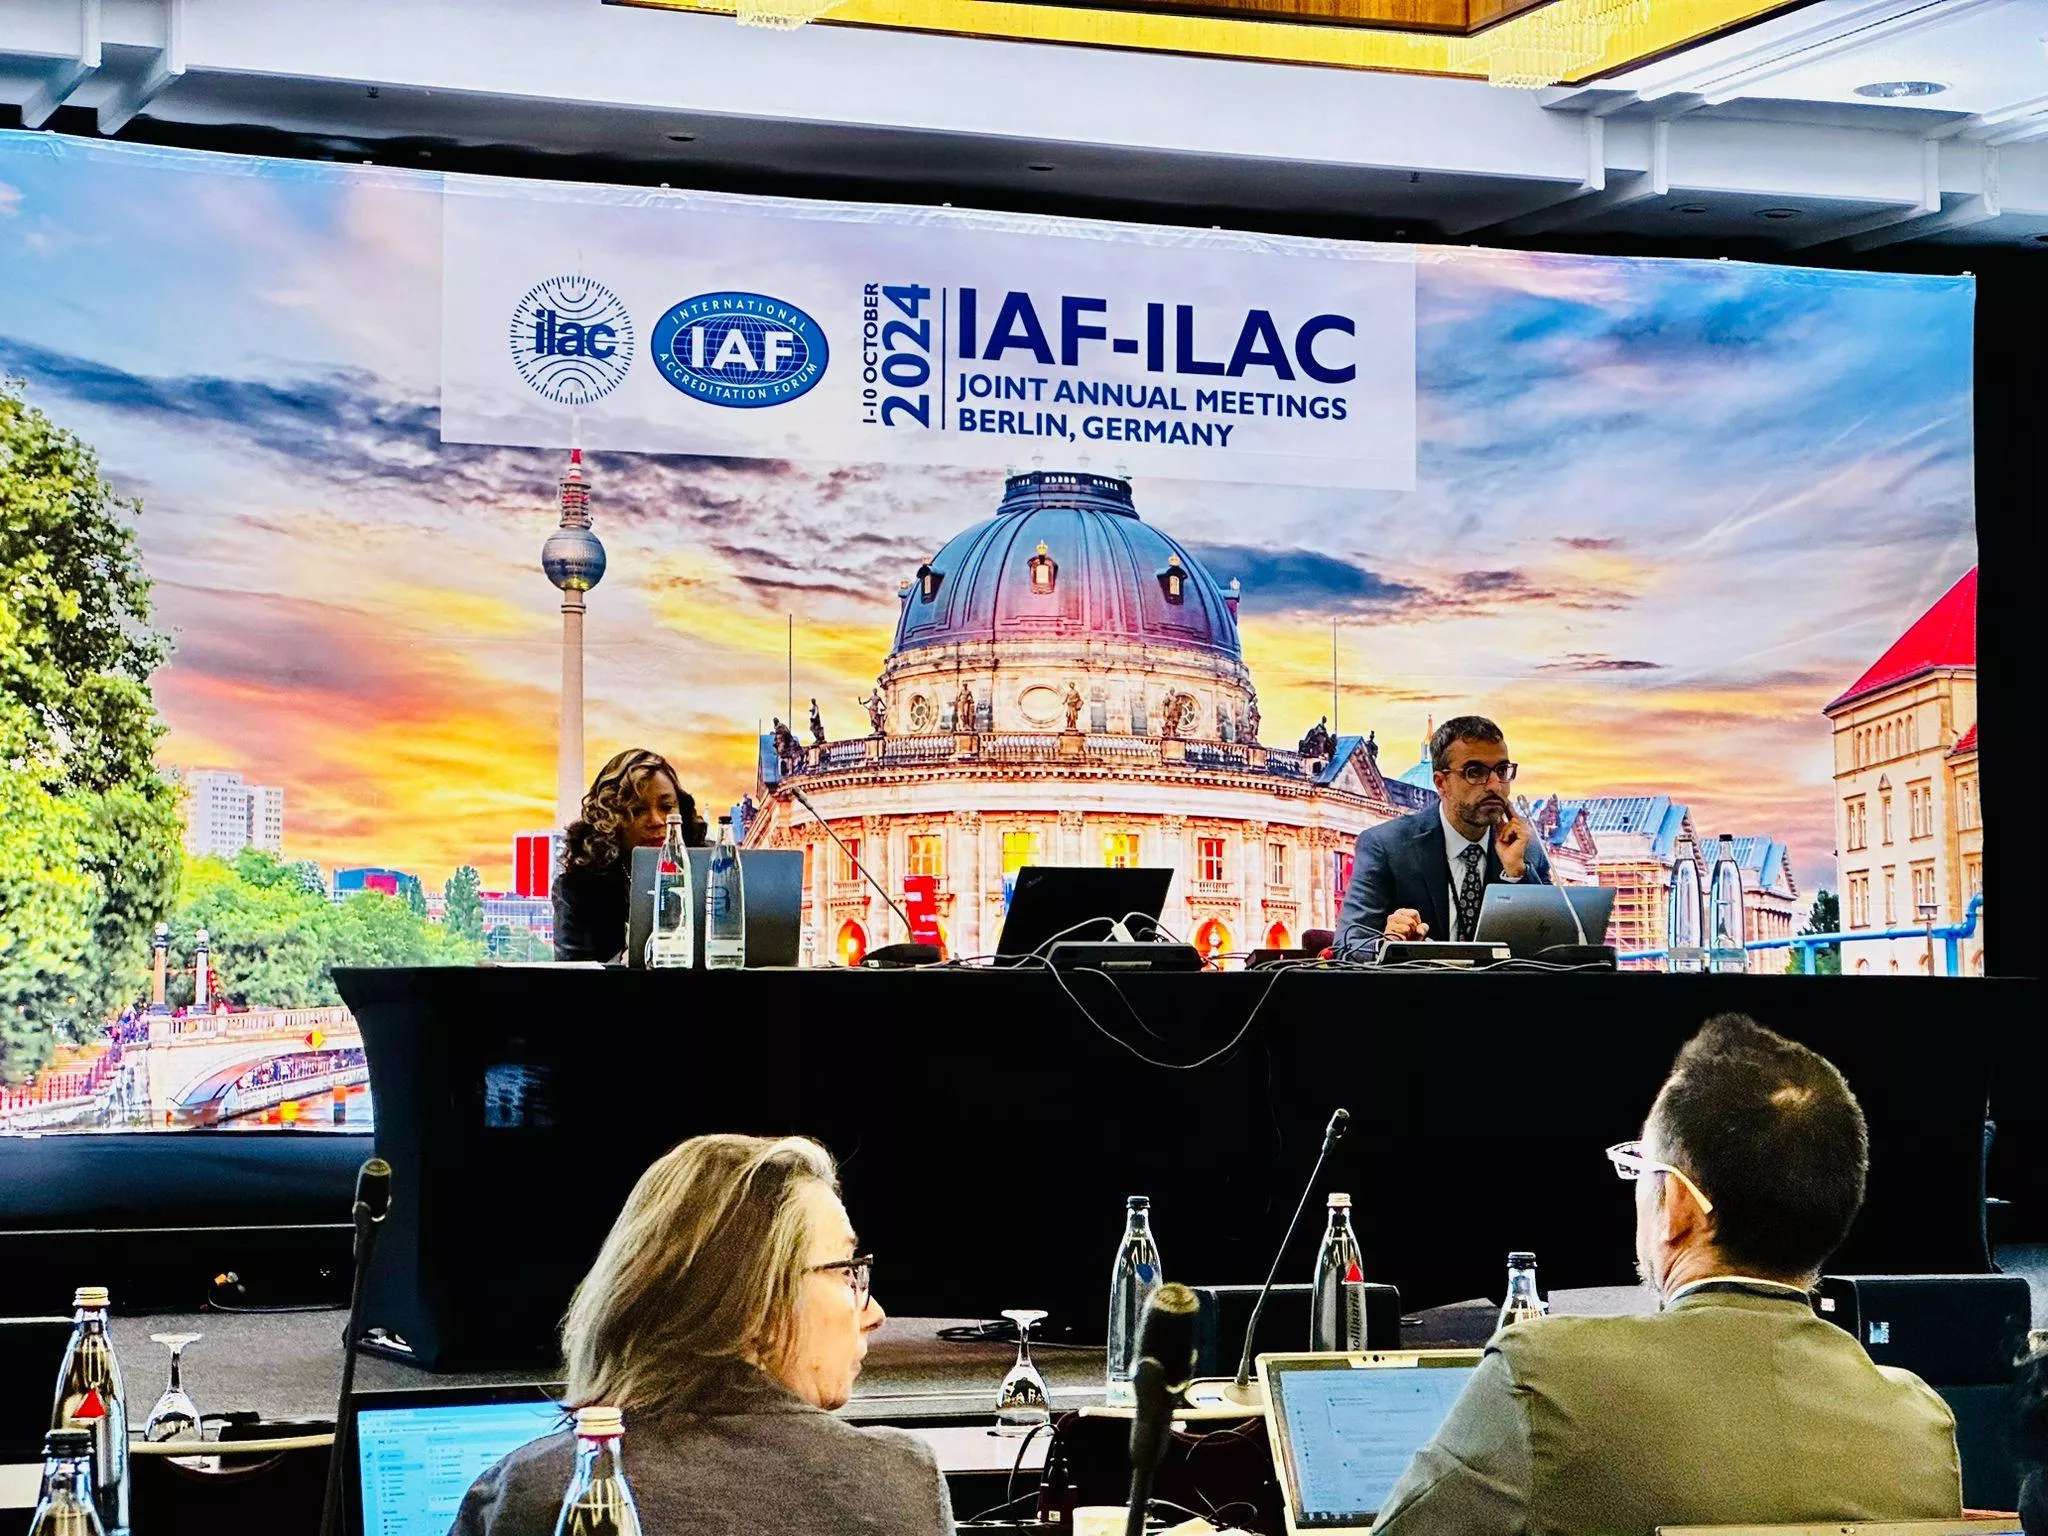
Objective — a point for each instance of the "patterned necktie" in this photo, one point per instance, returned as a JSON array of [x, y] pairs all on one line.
[[1469, 890]]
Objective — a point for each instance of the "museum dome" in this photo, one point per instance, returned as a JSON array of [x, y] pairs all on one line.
[[1066, 555]]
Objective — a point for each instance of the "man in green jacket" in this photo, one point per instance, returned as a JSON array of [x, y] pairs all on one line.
[[1732, 1404]]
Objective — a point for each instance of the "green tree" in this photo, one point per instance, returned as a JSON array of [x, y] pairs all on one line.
[[83, 799], [1825, 917], [518, 944], [464, 913], [275, 943]]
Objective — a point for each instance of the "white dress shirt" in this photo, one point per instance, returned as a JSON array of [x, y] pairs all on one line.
[[1455, 844]]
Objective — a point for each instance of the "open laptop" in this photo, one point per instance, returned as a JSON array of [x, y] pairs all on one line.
[[1051, 902], [1530, 919], [418, 1450], [773, 882], [1344, 1426]]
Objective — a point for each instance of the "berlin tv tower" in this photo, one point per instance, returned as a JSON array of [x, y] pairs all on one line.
[[574, 561]]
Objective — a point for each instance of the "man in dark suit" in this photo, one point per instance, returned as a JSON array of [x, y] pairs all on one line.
[[1424, 875]]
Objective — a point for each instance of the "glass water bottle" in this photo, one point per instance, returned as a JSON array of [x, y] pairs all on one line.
[[1131, 1284], [599, 1502], [672, 936], [90, 1397], [1337, 1321], [1523, 1303]]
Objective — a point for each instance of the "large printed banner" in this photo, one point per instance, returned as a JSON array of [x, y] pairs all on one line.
[[692, 323], [1699, 535]]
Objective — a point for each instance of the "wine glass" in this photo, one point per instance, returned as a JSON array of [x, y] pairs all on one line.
[[1020, 1401], [175, 1416]]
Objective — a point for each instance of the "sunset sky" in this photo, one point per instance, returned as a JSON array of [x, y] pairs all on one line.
[[1665, 512]]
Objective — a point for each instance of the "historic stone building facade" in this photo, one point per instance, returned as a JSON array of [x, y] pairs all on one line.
[[1909, 823], [1066, 686]]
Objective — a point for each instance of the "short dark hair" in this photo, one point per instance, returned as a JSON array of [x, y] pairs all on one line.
[[1772, 1134], [1460, 728]]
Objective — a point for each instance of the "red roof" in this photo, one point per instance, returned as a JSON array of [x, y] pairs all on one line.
[[1944, 636], [1966, 745]]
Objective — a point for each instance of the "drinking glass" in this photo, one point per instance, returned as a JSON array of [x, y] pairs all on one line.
[[1020, 1401], [175, 1416]]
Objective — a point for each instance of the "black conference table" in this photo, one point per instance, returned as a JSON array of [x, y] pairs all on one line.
[[990, 1123]]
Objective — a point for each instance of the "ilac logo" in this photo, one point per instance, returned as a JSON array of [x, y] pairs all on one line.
[[572, 340], [739, 349]]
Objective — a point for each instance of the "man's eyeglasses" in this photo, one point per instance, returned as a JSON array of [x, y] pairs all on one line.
[[1630, 1164], [1479, 773], [859, 1272]]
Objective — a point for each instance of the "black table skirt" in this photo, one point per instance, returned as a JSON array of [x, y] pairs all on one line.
[[988, 1130]]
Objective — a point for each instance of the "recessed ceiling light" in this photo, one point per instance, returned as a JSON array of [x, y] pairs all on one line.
[[1894, 90], [681, 138], [1779, 213], [1690, 208], [1041, 165]]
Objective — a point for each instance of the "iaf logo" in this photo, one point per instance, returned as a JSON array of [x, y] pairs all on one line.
[[743, 350], [572, 340]]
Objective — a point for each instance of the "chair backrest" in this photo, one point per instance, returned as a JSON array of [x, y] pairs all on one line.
[[1979, 1525]]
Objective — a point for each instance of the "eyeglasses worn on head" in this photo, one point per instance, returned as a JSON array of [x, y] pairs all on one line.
[[1630, 1165], [859, 1272], [1479, 773]]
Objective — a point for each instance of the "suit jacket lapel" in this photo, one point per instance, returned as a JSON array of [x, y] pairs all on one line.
[[1435, 863]]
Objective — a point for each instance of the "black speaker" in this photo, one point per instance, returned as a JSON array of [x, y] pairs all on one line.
[[1283, 1326], [1949, 1330]]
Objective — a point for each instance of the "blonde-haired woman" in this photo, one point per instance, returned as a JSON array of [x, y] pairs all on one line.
[[726, 1315]]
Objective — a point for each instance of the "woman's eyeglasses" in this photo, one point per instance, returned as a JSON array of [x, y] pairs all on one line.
[[859, 1272], [1630, 1165]]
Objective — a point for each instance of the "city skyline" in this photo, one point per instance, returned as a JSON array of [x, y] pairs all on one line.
[[1665, 512]]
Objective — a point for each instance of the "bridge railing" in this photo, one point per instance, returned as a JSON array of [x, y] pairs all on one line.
[[256, 1021]]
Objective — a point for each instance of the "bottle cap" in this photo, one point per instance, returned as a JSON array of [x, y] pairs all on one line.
[[1521, 1261], [1139, 1203], [1340, 1202], [90, 1297], [67, 1442], [599, 1423]]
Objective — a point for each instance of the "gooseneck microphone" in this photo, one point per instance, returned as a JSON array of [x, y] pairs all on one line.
[[1166, 1359], [372, 1205], [888, 954], [1240, 1390]]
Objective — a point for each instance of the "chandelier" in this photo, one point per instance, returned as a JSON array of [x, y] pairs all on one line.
[[781, 15], [1542, 47]]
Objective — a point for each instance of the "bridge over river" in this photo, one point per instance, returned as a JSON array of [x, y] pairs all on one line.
[[204, 1069]]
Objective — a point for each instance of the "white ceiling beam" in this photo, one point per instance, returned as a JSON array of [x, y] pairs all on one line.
[[166, 64], [1971, 210], [57, 87], [1902, 21]]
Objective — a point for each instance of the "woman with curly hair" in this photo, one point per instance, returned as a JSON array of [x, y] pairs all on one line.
[[627, 806]]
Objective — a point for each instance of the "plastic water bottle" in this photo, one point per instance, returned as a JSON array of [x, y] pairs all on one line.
[[725, 905], [672, 937], [65, 1506], [1131, 1284], [90, 1398], [599, 1502], [1337, 1317], [1523, 1303]]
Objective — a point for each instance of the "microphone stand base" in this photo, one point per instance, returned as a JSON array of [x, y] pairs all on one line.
[[1223, 1393]]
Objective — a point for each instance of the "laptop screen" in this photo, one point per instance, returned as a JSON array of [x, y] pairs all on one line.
[[1348, 1433], [416, 1463]]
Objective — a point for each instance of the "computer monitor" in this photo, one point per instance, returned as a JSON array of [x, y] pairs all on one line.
[[417, 1452], [1532, 918], [1051, 902], [1344, 1426]]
